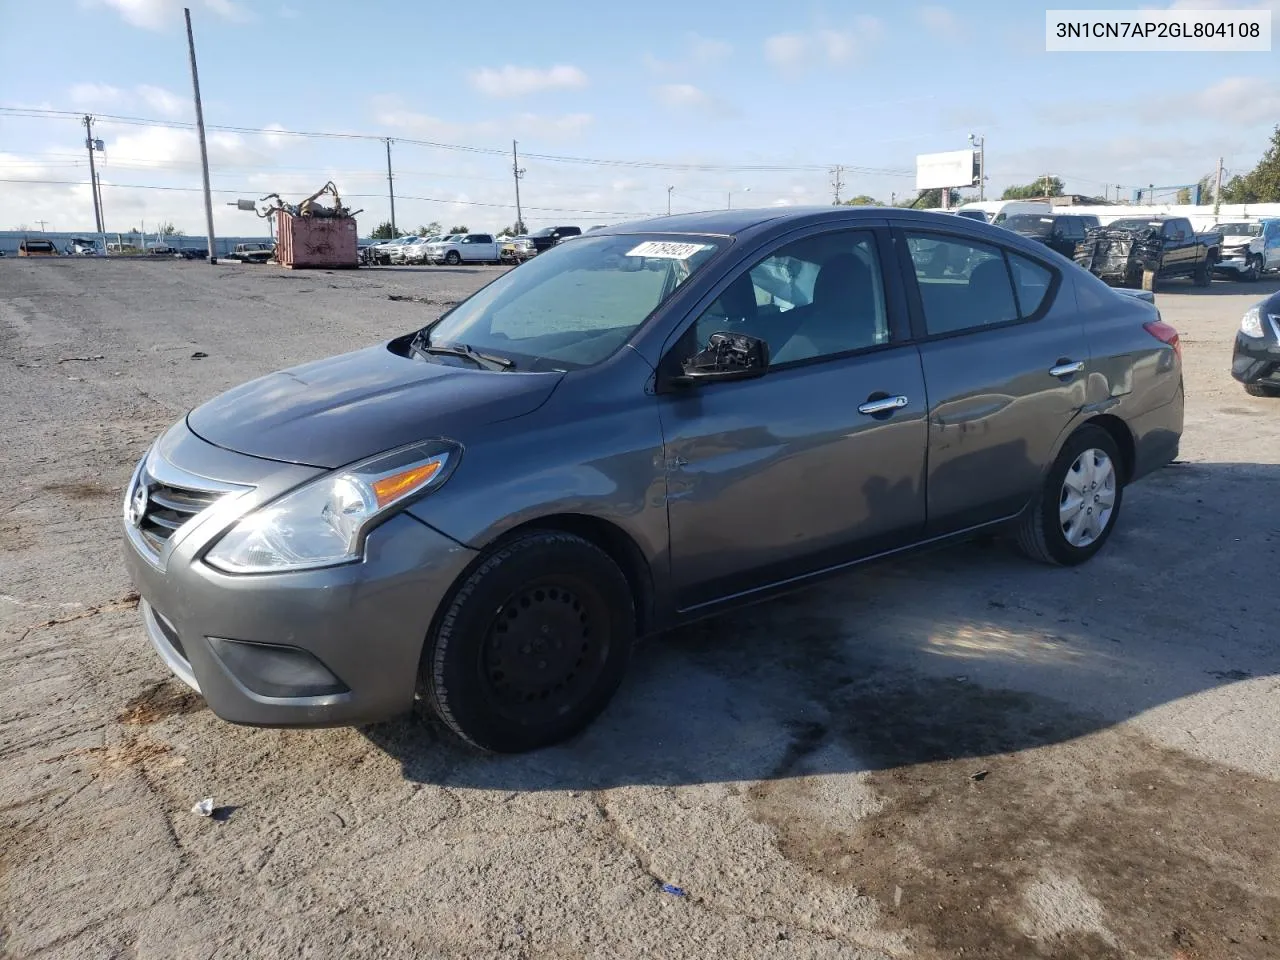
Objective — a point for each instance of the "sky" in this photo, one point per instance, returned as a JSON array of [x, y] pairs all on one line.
[[612, 104]]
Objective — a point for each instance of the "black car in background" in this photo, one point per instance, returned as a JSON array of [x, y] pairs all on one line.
[[1255, 362], [548, 237], [1057, 231]]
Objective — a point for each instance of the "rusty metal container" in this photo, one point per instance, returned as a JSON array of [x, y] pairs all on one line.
[[316, 241]]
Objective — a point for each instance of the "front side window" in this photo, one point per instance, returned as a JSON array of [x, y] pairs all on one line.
[[815, 297], [964, 284], [576, 304]]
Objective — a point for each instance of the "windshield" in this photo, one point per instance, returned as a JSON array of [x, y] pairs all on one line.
[[972, 215], [576, 304], [1030, 225], [1240, 229]]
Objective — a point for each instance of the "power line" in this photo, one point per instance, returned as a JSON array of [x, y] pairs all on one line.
[[693, 167], [361, 196]]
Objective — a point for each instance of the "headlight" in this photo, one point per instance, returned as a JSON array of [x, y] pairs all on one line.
[[324, 522], [1251, 322]]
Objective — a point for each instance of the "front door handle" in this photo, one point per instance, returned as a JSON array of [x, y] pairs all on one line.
[[1066, 368], [885, 405]]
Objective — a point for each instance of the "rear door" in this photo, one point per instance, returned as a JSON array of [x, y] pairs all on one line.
[[821, 460], [1005, 362]]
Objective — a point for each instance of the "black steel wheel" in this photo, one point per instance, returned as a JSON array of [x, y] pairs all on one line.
[[532, 645]]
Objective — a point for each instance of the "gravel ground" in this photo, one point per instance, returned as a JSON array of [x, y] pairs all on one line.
[[955, 754]]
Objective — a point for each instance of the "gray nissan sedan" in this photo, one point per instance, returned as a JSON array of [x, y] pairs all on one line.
[[656, 422]]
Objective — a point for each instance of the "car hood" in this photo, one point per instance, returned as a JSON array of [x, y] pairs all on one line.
[[339, 410]]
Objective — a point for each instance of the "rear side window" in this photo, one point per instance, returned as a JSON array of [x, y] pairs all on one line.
[[964, 285], [1031, 283]]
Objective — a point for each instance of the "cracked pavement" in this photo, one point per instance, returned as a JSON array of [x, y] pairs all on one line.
[[953, 754]]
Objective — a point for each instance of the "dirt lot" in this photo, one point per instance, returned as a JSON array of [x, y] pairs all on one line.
[[958, 754]]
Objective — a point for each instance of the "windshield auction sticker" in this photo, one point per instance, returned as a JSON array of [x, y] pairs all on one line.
[[666, 251], [1136, 31]]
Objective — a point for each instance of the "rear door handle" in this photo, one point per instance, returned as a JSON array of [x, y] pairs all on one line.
[[886, 405], [1066, 368]]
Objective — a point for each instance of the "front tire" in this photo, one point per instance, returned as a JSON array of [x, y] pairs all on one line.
[[1261, 390], [1254, 271], [532, 646], [1078, 505], [1202, 277], [453, 258]]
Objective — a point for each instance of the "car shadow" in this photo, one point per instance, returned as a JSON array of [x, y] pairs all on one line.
[[956, 653]]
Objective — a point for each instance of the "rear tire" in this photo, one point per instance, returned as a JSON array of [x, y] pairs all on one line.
[[532, 645], [1079, 504]]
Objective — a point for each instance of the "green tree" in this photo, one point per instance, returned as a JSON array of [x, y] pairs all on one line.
[[462, 229], [384, 231], [932, 198], [167, 229], [515, 230], [1184, 196], [1044, 187], [431, 229], [862, 200], [1262, 183]]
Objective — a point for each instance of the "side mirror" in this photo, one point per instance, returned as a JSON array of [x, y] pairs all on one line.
[[728, 356]]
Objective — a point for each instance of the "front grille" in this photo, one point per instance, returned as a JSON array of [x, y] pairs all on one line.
[[168, 508]]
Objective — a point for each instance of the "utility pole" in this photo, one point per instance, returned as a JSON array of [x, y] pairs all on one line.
[[517, 173], [669, 189], [42, 223], [836, 183], [204, 151], [981, 144], [1217, 189], [93, 171], [391, 192]]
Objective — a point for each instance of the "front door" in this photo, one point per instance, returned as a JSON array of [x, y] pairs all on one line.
[[1006, 361], [819, 461]]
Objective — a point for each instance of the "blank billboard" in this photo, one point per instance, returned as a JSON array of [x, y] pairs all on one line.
[[956, 168]]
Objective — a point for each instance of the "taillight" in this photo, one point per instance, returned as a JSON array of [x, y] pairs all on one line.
[[1165, 334]]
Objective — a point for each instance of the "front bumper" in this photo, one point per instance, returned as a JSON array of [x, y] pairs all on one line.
[[1232, 263], [1257, 359], [336, 646]]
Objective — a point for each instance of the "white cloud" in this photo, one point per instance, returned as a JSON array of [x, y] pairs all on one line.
[[687, 97], [791, 51], [698, 52], [164, 102], [513, 81], [939, 20], [390, 111], [95, 95], [683, 95], [159, 14], [785, 49]]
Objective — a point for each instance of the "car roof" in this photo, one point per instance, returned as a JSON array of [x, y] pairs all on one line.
[[732, 223]]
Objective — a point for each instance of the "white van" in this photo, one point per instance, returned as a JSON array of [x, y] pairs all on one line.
[[997, 211]]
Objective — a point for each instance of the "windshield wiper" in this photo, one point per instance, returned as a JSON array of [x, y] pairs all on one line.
[[485, 360]]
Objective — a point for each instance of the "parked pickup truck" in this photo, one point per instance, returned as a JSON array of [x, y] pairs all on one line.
[[1139, 252], [469, 248], [252, 252]]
